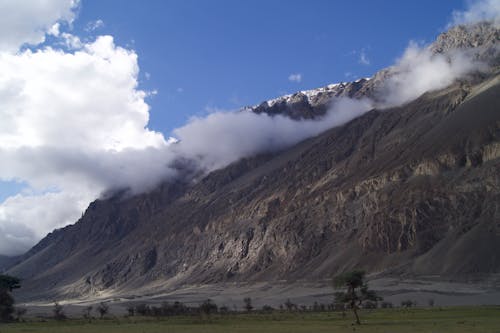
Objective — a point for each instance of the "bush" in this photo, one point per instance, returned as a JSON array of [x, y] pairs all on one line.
[[87, 312], [58, 311], [142, 309], [20, 312], [290, 306], [131, 311], [408, 303], [103, 309], [369, 305], [267, 308], [208, 307], [386, 305], [248, 304]]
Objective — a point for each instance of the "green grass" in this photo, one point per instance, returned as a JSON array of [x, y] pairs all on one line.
[[456, 320]]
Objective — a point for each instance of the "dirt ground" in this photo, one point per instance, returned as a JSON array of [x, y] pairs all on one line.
[[421, 291]]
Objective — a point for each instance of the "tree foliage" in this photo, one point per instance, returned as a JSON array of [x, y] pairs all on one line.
[[354, 291], [58, 311], [7, 284], [103, 309], [248, 304]]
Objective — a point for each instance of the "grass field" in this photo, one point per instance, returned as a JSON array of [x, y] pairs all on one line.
[[456, 320]]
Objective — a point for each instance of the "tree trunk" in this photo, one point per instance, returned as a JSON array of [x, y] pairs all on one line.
[[355, 310]]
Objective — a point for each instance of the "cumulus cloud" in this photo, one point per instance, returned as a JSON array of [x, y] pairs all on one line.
[[73, 124], [27, 22], [18, 230], [477, 11], [295, 77]]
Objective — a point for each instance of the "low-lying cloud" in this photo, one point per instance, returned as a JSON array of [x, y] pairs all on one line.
[[74, 125], [420, 70], [477, 11]]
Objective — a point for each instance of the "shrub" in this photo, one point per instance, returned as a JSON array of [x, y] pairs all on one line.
[[103, 309], [58, 311], [208, 307], [267, 308], [386, 305], [248, 304]]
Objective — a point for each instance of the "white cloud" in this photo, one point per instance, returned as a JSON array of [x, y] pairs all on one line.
[[54, 30], [27, 22], [72, 125], [477, 11], [363, 58], [71, 41], [420, 70], [94, 25], [18, 229], [224, 137], [296, 77]]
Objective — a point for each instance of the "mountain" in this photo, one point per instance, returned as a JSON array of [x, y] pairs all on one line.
[[7, 262], [409, 191]]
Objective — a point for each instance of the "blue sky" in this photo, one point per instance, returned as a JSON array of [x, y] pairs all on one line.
[[201, 55]]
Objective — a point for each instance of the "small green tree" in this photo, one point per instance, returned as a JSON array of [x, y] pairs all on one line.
[[7, 284], [248, 304], [58, 311], [103, 309], [355, 291], [87, 313], [208, 307]]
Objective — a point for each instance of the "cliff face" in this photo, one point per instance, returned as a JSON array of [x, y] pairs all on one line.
[[410, 190]]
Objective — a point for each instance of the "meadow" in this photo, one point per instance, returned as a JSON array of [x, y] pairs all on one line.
[[442, 320]]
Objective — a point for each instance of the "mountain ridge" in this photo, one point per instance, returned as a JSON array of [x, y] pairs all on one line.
[[392, 191]]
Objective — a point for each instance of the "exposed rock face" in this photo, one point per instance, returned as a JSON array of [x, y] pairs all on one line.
[[410, 190], [309, 104], [482, 37]]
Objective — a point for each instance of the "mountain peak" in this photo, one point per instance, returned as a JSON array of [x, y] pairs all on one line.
[[482, 36]]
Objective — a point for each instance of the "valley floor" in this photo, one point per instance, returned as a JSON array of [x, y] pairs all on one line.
[[443, 293], [437, 319]]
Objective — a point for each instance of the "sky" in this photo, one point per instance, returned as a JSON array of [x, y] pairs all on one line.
[[205, 55], [91, 91]]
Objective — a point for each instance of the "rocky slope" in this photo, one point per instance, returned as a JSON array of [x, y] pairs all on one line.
[[412, 190]]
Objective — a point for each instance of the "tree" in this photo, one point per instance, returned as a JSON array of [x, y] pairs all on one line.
[[58, 311], [248, 304], [208, 307], [6, 306], [355, 291], [87, 313], [103, 309], [7, 284], [20, 312]]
